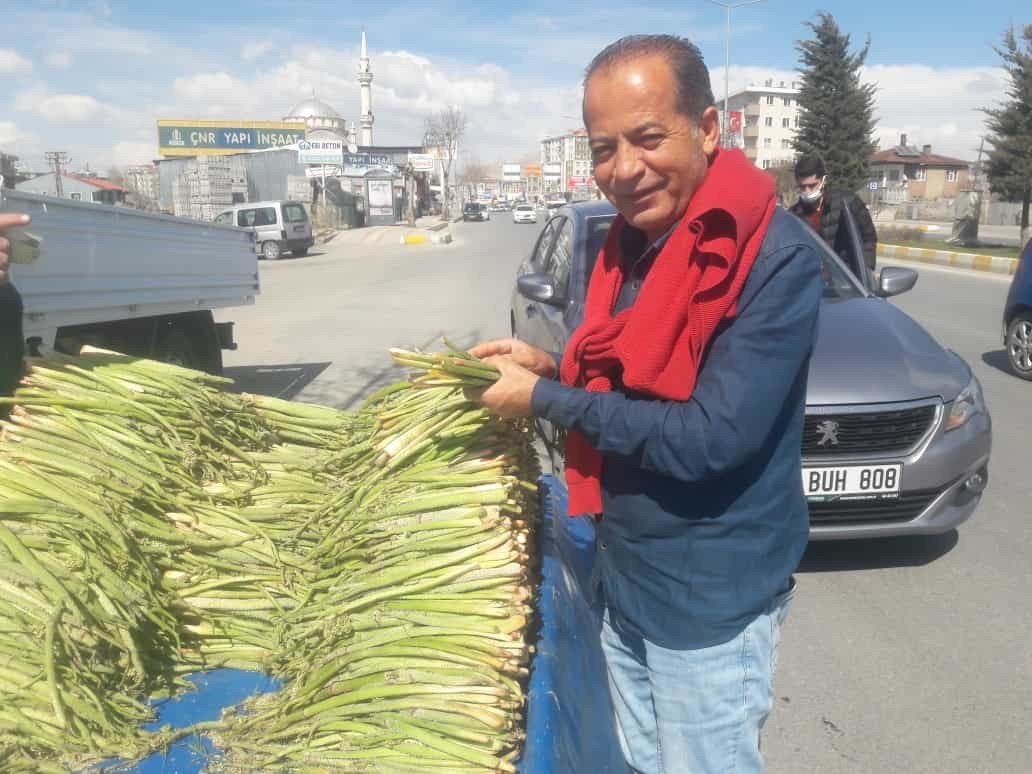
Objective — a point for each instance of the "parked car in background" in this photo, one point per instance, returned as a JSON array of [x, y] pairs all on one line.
[[475, 211], [897, 436], [524, 213], [278, 226], [500, 206], [1017, 317]]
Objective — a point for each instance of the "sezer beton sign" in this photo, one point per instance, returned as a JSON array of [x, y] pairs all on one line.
[[215, 138]]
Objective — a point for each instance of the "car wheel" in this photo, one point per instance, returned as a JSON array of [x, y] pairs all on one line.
[[1019, 345], [271, 251]]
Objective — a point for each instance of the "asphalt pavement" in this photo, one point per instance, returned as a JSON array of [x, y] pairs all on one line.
[[898, 656]]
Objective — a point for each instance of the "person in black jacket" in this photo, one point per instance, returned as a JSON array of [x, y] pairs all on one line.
[[821, 207], [11, 339]]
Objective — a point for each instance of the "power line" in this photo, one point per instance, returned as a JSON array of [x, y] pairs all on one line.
[[56, 160]]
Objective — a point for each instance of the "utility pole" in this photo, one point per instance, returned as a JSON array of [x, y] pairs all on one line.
[[56, 160], [727, 59]]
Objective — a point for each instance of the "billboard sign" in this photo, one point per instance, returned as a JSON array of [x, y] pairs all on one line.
[[577, 181], [734, 121], [320, 170], [320, 152], [511, 173], [532, 170], [218, 138], [421, 162]]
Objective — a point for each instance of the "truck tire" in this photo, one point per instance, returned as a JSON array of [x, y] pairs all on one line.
[[271, 251], [190, 340]]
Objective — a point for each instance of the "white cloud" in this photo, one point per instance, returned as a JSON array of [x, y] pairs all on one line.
[[937, 106], [127, 153], [59, 60], [9, 133], [255, 49], [60, 108], [13, 62]]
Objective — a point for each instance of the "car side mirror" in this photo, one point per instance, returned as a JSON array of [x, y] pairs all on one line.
[[894, 280], [540, 287]]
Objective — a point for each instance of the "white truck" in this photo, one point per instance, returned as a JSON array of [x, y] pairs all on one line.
[[138, 282]]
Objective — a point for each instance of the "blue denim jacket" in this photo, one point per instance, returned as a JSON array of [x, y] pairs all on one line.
[[704, 519]]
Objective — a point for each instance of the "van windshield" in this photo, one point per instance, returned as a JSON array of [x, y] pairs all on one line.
[[294, 213]]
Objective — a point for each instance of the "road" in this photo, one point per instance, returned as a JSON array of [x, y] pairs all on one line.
[[899, 656]]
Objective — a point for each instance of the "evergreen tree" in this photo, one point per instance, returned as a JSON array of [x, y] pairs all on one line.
[[1010, 127], [836, 110]]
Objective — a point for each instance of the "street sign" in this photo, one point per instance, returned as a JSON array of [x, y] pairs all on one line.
[[873, 185], [321, 152], [321, 170], [421, 162]]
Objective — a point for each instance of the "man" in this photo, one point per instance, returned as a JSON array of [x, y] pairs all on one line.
[[822, 208], [683, 392], [11, 339]]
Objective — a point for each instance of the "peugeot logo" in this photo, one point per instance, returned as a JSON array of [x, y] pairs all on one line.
[[828, 432]]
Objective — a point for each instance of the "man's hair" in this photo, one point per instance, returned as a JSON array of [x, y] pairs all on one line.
[[694, 93], [809, 164]]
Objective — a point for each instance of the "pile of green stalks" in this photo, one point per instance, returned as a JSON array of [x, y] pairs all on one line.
[[380, 562]]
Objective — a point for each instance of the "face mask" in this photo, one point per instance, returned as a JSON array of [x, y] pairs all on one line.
[[810, 199]]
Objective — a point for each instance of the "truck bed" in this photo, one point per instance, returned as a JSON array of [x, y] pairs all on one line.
[[99, 263]]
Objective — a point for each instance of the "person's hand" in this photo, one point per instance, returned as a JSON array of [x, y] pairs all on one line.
[[8, 220], [509, 397], [532, 358]]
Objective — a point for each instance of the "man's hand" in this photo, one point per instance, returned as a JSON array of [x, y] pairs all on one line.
[[535, 360], [509, 397], [8, 220]]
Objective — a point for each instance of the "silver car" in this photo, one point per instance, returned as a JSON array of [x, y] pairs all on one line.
[[897, 435], [278, 226]]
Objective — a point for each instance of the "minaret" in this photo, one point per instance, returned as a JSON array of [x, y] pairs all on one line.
[[365, 81]]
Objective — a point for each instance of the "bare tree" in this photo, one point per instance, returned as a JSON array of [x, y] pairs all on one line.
[[443, 132]]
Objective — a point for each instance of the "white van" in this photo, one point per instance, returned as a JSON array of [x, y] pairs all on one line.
[[277, 226]]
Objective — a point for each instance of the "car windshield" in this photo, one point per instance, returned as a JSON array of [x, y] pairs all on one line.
[[838, 283], [525, 208]]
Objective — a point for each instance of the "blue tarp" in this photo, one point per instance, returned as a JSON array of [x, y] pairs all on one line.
[[569, 724]]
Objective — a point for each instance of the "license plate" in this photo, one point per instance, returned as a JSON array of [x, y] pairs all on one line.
[[854, 481]]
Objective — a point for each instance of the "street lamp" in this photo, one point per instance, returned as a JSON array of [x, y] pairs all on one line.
[[727, 56]]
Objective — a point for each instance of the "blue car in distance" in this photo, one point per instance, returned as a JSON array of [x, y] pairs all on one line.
[[1017, 317]]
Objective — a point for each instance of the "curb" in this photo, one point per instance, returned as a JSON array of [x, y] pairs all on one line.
[[435, 237], [991, 263]]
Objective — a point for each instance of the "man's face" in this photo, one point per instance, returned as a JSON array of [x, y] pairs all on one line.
[[649, 158], [807, 186]]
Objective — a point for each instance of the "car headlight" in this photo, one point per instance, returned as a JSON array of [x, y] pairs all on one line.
[[966, 405]]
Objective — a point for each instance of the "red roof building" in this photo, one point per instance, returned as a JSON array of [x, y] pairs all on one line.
[[907, 173]]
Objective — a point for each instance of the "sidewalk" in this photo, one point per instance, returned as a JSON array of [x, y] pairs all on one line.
[[991, 263], [429, 229], [1002, 235]]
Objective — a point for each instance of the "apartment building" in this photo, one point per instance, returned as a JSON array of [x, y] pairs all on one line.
[[767, 121], [571, 150]]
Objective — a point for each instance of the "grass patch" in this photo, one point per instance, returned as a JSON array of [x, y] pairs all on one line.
[[931, 243]]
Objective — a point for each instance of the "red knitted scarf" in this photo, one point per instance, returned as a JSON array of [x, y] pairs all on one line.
[[655, 347]]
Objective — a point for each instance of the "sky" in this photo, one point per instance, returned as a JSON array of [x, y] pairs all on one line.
[[92, 77]]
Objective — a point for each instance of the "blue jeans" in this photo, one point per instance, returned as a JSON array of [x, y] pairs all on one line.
[[695, 711]]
